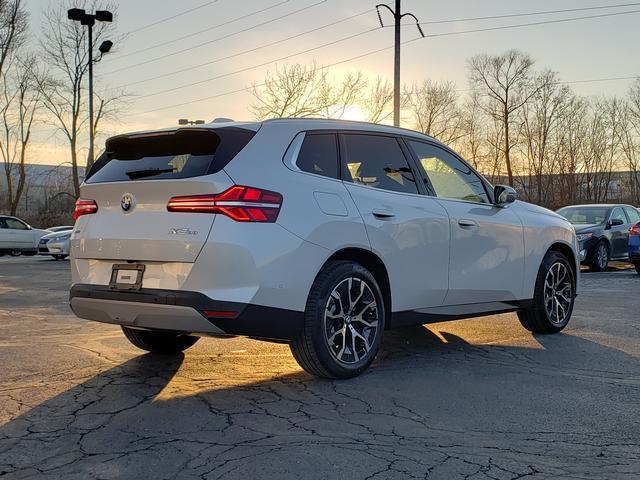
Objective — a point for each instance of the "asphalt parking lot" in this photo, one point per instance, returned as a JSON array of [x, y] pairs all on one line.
[[473, 399]]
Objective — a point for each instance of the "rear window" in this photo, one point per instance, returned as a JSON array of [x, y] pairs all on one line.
[[159, 156]]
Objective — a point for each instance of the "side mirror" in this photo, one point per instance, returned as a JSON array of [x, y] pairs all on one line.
[[616, 222], [503, 195]]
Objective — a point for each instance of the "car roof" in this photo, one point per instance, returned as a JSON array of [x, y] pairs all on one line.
[[601, 205], [298, 124], [337, 124]]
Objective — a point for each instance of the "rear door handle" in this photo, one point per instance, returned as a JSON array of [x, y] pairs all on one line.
[[466, 223], [383, 214]]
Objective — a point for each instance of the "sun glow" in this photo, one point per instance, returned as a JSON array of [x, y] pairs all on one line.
[[355, 114]]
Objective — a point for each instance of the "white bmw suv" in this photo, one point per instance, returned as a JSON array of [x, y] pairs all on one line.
[[319, 233]]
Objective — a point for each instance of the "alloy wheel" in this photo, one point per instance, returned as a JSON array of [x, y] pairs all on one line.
[[351, 320], [602, 256], [558, 293]]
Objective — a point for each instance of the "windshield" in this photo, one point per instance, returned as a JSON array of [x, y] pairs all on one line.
[[585, 215]]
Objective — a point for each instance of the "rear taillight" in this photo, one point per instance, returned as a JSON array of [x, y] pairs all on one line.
[[242, 204], [84, 207], [635, 229]]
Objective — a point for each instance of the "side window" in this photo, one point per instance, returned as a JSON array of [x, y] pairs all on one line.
[[632, 213], [377, 161], [3, 223], [449, 177], [14, 224], [319, 155], [619, 214]]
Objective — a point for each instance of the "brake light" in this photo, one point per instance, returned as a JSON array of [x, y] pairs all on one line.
[[635, 229], [84, 207], [242, 204]]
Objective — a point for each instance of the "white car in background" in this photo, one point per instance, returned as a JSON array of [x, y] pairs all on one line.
[[319, 233], [56, 243], [18, 237]]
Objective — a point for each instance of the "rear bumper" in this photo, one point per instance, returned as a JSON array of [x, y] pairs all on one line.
[[183, 311]]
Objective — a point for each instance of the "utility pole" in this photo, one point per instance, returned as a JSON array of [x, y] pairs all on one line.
[[397, 15]]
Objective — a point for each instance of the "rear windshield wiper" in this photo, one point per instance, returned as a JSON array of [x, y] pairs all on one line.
[[148, 172]]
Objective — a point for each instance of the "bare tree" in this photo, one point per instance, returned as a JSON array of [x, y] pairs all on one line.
[[21, 101], [434, 110], [300, 91], [64, 44], [377, 102], [14, 25], [631, 140], [504, 81], [540, 119]]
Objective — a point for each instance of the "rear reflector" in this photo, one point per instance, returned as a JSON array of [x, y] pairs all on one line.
[[242, 204], [635, 229], [84, 207]]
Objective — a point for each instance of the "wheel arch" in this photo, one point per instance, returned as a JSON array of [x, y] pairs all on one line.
[[606, 241], [568, 252], [375, 265]]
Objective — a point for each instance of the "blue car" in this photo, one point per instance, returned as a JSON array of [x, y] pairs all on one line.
[[634, 246]]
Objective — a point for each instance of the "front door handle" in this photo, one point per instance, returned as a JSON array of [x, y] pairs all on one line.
[[466, 223], [383, 214]]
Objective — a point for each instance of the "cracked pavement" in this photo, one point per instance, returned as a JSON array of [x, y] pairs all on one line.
[[471, 399]]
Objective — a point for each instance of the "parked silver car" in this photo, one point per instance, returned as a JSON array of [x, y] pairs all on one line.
[[56, 243]]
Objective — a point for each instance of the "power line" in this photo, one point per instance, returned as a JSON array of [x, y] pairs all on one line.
[[193, 34], [350, 59], [530, 24], [209, 42], [185, 12], [251, 50], [244, 52], [513, 15], [503, 27], [373, 52], [252, 67]]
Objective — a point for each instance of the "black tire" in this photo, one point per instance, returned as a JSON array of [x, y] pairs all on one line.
[[537, 318], [314, 349], [59, 257], [15, 253], [159, 342], [599, 257], [637, 265]]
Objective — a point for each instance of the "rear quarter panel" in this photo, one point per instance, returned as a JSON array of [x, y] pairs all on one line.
[[315, 208]]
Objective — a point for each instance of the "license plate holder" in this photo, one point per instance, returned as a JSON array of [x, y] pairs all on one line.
[[126, 276]]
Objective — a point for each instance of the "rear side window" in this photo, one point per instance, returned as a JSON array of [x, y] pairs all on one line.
[[632, 213], [319, 155], [172, 155], [377, 161], [618, 214]]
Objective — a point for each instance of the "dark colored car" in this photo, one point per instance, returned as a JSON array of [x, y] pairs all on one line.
[[602, 232]]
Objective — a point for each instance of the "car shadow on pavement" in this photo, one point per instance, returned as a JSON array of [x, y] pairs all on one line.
[[431, 403]]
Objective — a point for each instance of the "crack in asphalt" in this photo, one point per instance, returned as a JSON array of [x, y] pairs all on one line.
[[456, 404]]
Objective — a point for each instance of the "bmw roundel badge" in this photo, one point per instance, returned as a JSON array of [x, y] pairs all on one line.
[[126, 202]]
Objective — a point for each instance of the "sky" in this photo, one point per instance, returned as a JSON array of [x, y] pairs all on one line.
[[580, 50]]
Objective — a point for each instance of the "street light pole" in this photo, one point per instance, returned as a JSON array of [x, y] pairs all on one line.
[[79, 15], [91, 131], [397, 17]]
